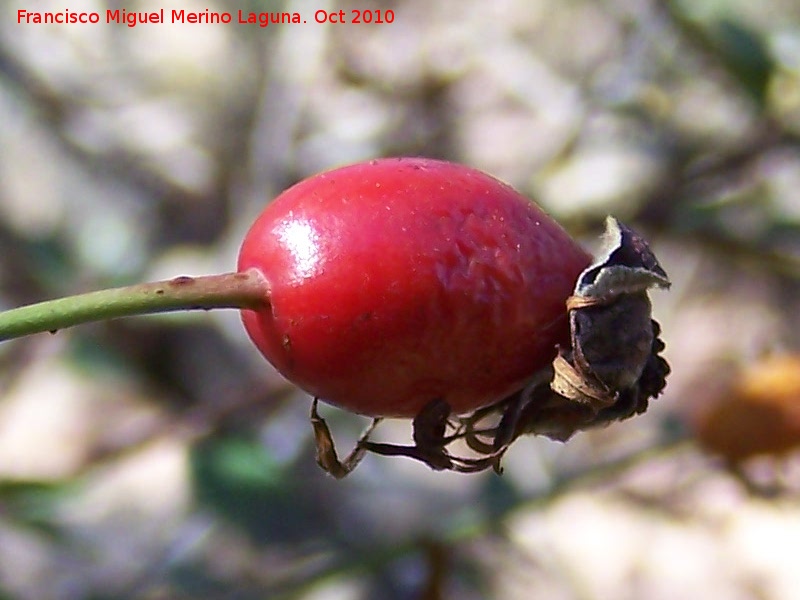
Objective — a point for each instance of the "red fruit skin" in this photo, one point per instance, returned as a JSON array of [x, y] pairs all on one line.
[[398, 281]]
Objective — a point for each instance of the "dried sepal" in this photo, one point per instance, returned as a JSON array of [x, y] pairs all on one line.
[[431, 442], [626, 265], [611, 331], [569, 382], [613, 366], [327, 457]]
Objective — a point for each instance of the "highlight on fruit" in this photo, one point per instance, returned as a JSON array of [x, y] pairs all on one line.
[[423, 289]]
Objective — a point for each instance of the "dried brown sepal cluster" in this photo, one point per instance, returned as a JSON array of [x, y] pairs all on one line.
[[609, 373]]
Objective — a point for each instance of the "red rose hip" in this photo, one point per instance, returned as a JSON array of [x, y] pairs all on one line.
[[399, 281]]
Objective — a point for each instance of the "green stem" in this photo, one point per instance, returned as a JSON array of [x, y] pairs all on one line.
[[229, 290]]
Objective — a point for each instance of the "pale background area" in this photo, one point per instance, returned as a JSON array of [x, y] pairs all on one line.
[[161, 457]]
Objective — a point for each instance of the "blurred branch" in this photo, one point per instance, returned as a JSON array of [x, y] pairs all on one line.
[[731, 45], [209, 210], [688, 180], [561, 484], [54, 107], [751, 256]]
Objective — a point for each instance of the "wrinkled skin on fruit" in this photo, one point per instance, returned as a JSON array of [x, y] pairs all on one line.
[[399, 281]]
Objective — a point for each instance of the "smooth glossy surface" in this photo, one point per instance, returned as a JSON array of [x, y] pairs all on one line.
[[398, 281]]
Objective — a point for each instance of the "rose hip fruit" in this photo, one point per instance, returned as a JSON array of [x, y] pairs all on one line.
[[400, 281]]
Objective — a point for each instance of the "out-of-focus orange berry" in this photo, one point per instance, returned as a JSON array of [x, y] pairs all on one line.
[[759, 413]]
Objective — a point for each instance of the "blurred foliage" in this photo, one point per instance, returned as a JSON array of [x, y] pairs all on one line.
[[162, 458], [742, 51], [34, 504], [238, 479]]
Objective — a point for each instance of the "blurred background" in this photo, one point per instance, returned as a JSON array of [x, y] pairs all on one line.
[[161, 457]]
